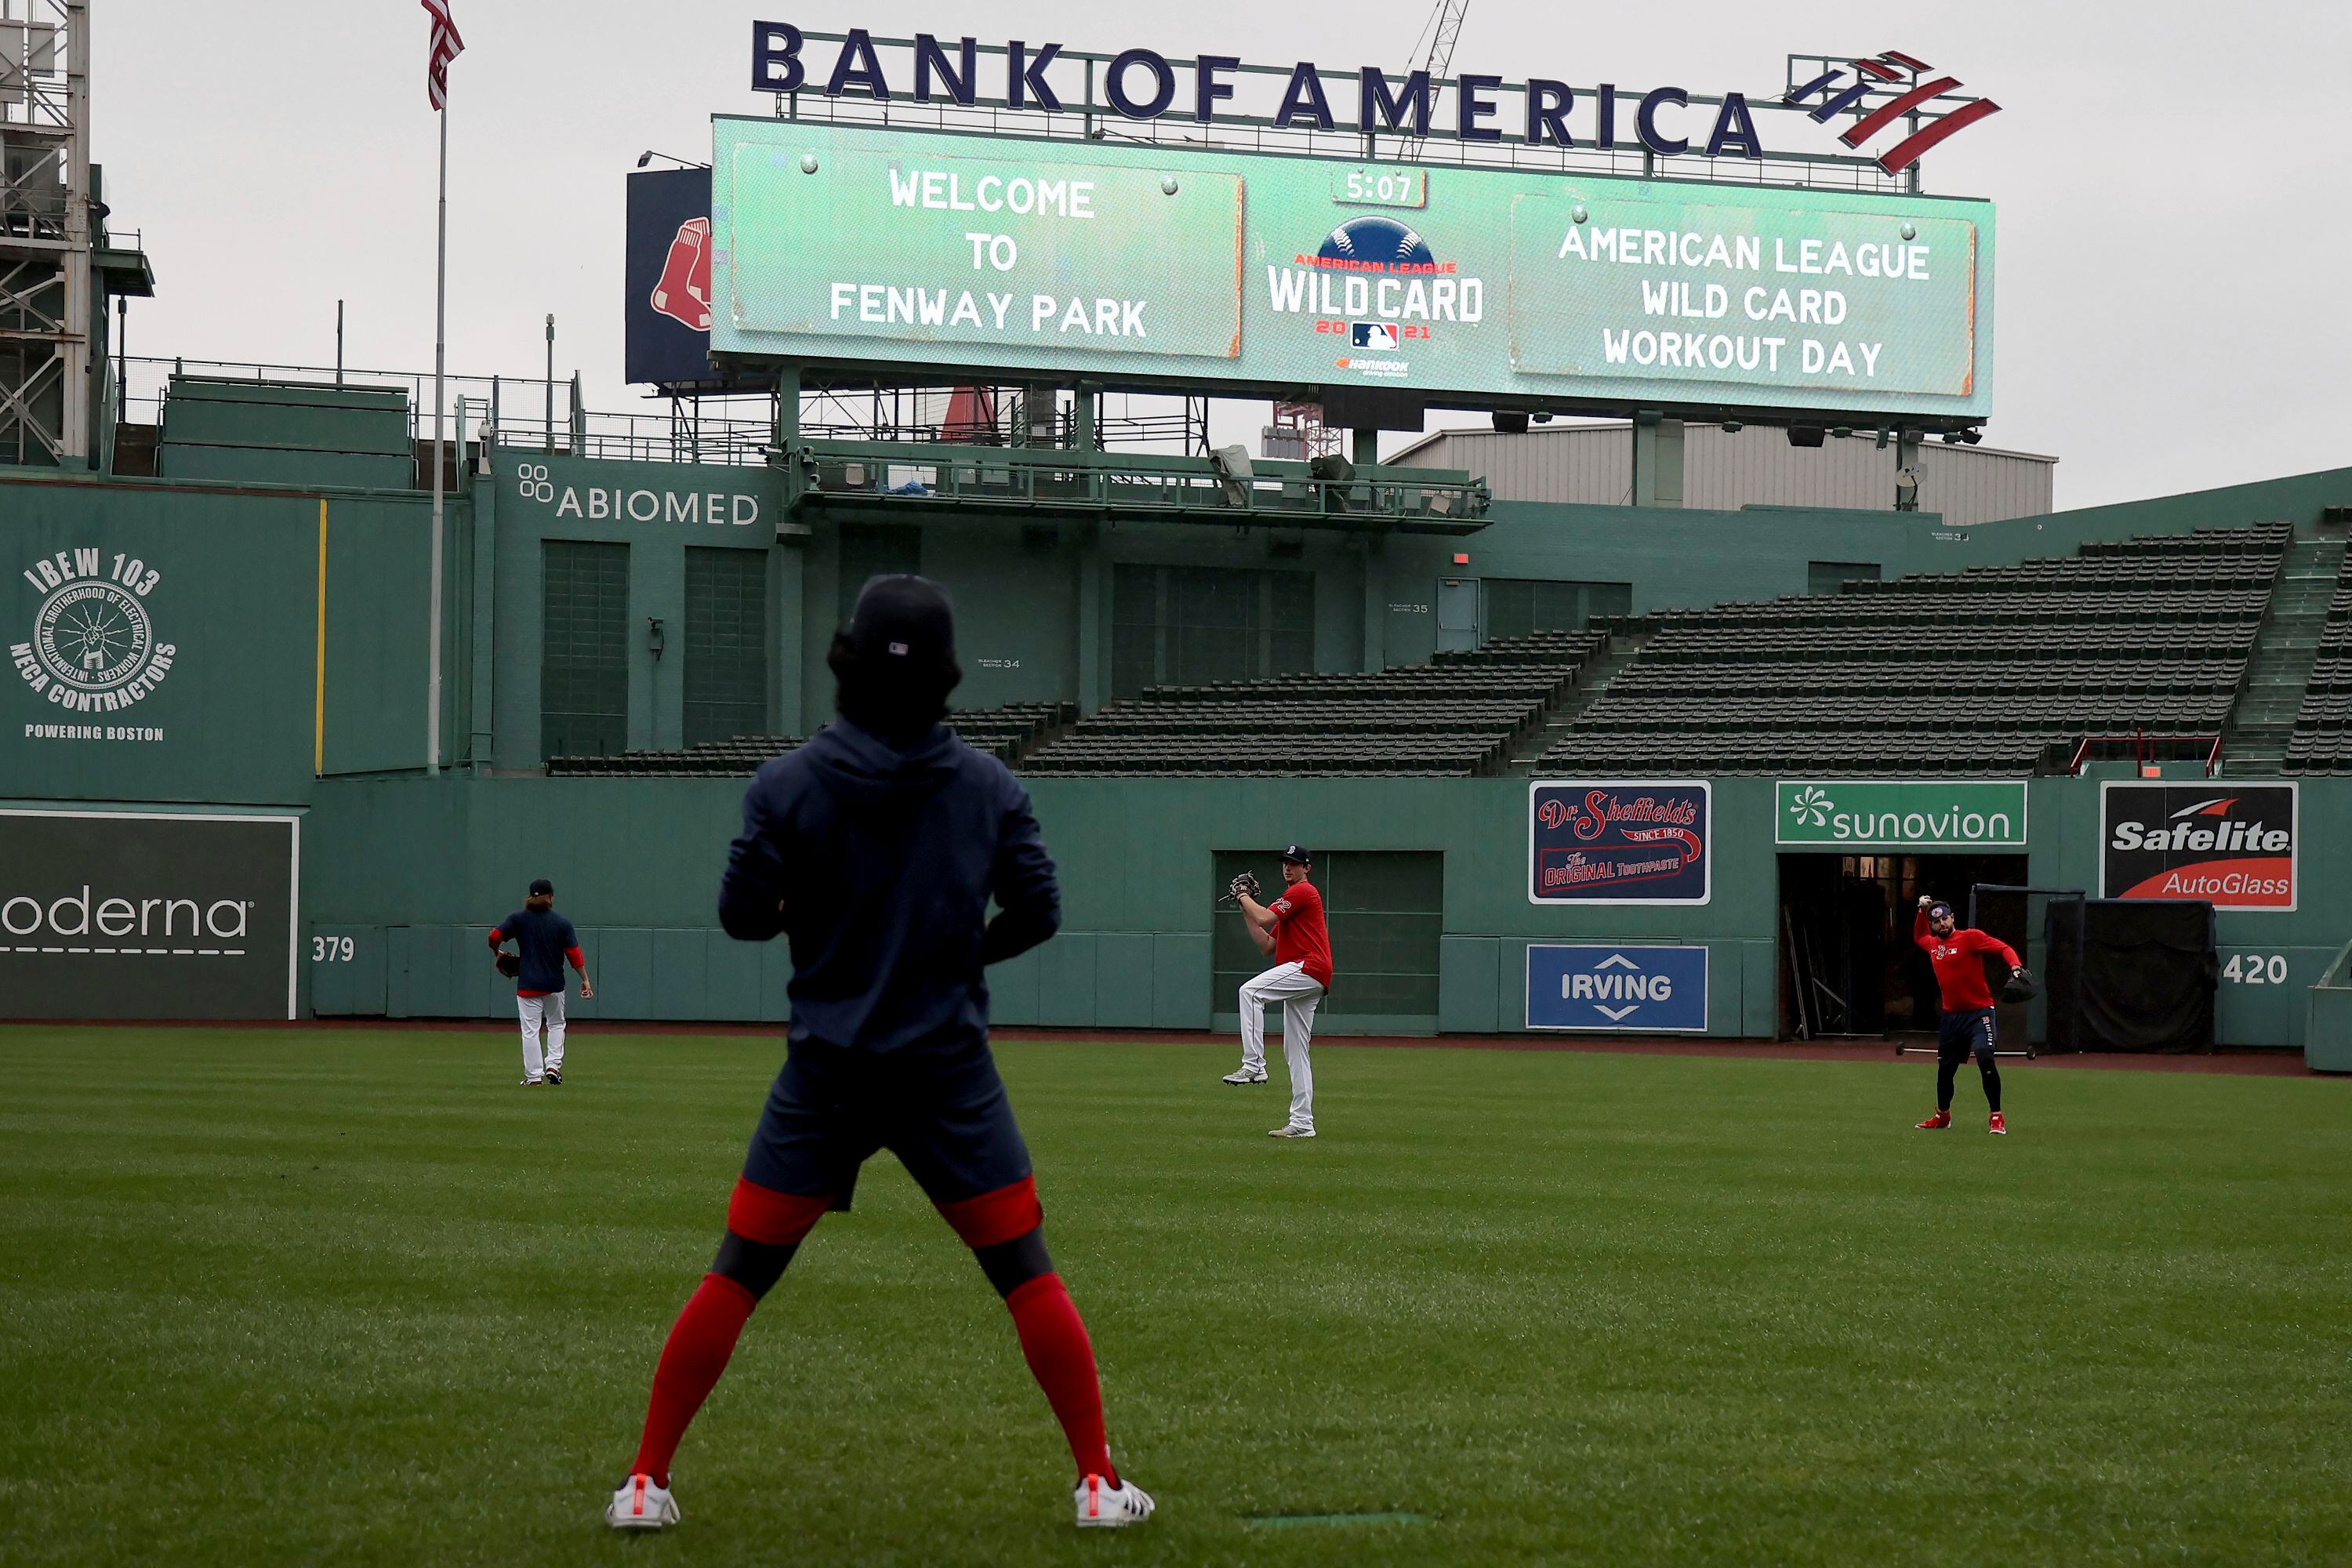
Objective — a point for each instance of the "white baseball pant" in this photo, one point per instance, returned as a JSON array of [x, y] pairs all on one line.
[[534, 1010], [1298, 993]]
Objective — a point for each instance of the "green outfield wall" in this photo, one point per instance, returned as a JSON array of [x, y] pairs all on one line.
[[262, 646], [286, 636], [415, 873]]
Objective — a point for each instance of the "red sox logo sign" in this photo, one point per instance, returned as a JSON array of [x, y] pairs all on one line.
[[684, 292]]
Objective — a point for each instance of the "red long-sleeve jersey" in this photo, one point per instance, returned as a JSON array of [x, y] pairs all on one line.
[[1960, 964]]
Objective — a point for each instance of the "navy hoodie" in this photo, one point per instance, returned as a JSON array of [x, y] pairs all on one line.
[[879, 864]]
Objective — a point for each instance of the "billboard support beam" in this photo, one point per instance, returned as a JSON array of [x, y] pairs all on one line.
[[1367, 448], [1657, 460]]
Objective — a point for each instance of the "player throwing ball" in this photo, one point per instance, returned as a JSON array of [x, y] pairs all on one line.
[[1968, 1023], [875, 850], [545, 942], [1291, 932]]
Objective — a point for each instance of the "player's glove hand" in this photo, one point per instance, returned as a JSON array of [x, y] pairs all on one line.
[[510, 966]]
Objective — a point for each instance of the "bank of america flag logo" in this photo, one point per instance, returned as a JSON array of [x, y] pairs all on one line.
[[1375, 335], [1837, 96]]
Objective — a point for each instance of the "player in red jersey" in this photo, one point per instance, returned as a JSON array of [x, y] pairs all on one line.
[[1291, 932], [1968, 1023]]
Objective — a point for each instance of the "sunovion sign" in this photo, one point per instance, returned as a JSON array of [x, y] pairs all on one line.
[[1900, 814], [2232, 845], [1163, 265], [1593, 986]]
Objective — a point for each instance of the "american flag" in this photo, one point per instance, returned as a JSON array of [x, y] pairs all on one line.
[[445, 46]]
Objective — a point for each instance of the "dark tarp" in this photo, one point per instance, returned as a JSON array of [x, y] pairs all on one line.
[[2149, 972]]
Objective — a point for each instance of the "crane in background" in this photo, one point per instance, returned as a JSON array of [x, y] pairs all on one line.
[[1434, 52]]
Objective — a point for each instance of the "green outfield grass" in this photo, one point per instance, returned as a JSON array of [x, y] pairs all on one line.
[[352, 1297]]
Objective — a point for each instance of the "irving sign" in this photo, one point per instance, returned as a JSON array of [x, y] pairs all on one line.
[[2233, 846]]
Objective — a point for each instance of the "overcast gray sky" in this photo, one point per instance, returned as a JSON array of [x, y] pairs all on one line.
[[2176, 211]]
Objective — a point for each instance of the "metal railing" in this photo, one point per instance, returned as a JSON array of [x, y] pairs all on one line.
[[531, 414], [1275, 493], [2142, 749]]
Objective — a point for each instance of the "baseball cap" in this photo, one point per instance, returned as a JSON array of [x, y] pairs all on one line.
[[1939, 909], [542, 885], [903, 622], [1298, 852]]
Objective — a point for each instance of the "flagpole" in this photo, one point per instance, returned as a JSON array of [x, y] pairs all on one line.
[[440, 349]]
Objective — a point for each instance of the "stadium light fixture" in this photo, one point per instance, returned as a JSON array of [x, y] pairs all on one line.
[[648, 155]]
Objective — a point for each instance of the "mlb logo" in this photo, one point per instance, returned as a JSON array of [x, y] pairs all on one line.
[[1375, 335]]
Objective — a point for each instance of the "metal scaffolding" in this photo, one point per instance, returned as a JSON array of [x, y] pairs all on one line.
[[47, 235]]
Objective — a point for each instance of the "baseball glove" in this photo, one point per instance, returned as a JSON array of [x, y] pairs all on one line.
[[510, 964], [2021, 987], [1246, 883]]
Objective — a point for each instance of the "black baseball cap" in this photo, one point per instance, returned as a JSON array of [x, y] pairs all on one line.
[[1297, 852], [1938, 907], [903, 623], [542, 885]]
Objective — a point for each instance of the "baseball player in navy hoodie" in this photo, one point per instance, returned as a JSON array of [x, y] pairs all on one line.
[[876, 848]]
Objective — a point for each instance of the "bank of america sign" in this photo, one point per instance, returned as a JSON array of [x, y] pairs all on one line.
[[1901, 813]]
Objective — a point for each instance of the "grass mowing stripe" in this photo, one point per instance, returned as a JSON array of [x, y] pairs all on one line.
[[291, 1297]]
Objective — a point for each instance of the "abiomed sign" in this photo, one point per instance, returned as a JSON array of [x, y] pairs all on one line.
[[1901, 813]]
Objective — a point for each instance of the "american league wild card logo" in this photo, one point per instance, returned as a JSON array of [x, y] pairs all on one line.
[[93, 648]]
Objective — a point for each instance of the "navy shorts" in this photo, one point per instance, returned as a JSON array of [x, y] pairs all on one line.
[[941, 1109], [1965, 1032]]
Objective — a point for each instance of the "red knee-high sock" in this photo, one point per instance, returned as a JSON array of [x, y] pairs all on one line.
[[692, 1359], [1054, 1338]]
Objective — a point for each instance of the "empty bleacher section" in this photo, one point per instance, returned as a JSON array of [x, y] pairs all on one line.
[[1454, 717], [2323, 730], [1005, 732], [1994, 671]]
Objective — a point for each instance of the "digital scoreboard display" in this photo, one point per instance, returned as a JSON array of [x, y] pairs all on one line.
[[1159, 265]]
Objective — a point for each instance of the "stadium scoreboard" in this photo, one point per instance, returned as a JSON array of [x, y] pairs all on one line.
[[1153, 264]]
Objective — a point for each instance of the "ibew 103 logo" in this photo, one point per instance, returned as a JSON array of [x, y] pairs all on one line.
[[93, 648]]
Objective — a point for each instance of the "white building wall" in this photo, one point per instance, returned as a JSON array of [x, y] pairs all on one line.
[[1724, 471]]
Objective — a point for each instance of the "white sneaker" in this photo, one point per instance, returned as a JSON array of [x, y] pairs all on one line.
[[1292, 1132], [1108, 1508], [1243, 1075], [638, 1504]]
